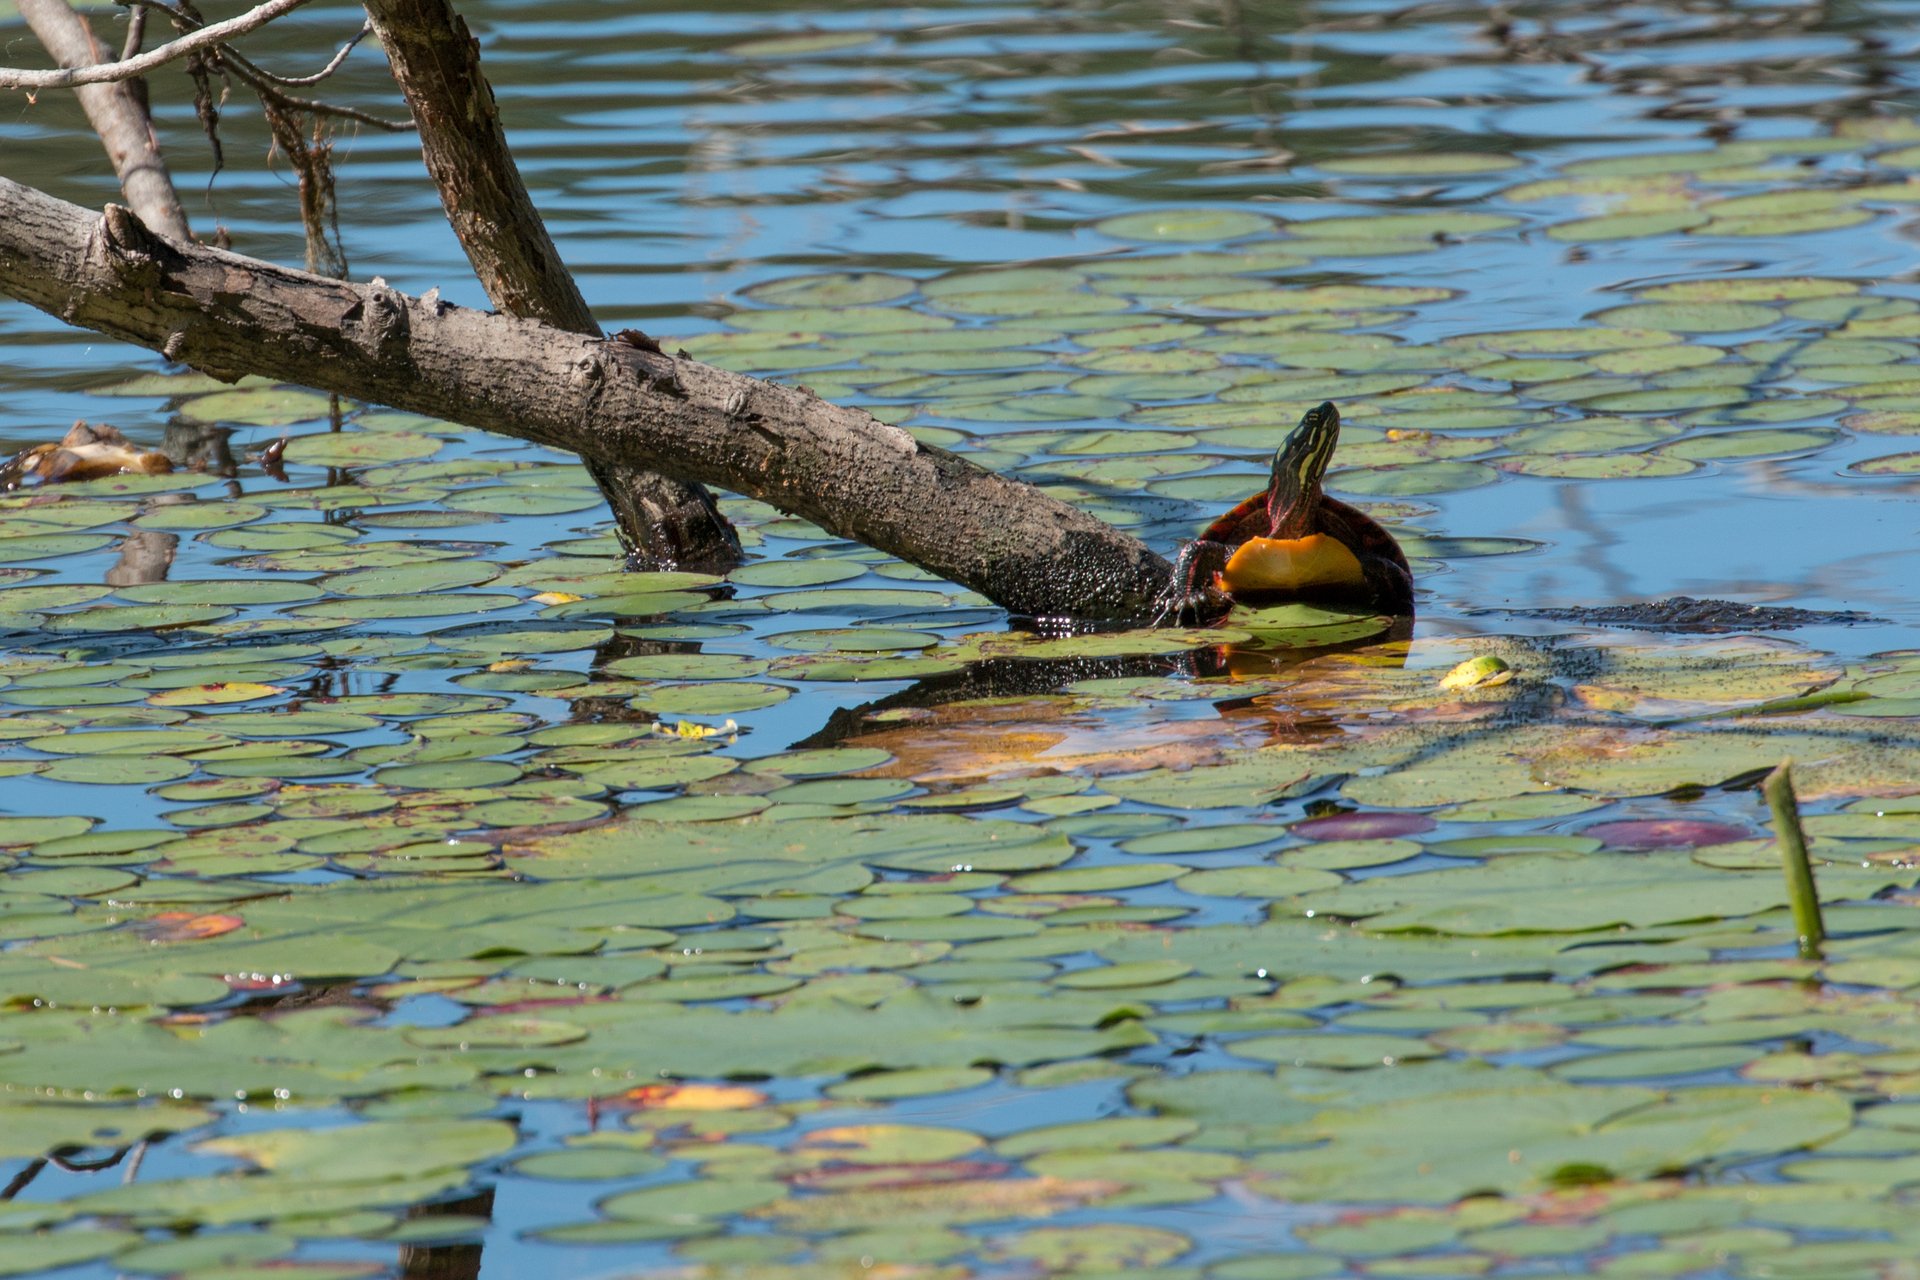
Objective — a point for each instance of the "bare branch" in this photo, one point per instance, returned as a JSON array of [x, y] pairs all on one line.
[[263, 83], [136, 34], [117, 112], [184, 22], [128, 68]]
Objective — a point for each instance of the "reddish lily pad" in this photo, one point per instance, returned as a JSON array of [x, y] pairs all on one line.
[[1665, 833], [1363, 826]]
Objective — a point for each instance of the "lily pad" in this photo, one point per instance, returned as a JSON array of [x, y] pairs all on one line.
[[1200, 225]]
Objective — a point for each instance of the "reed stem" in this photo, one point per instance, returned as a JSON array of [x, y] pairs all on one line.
[[1801, 894]]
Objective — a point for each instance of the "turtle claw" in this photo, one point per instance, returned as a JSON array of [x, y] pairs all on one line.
[[1169, 606], [1189, 608], [1190, 595]]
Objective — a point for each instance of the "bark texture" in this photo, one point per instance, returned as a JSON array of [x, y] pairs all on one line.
[[608, 400], [436, 61], [117, 114]]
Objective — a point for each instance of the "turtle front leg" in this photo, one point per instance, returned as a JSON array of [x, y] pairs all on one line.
[[1191, 594]]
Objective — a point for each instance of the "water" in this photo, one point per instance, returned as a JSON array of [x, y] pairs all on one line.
[[684, 158]]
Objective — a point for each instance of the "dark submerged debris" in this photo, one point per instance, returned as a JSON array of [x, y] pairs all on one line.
[[1686, 614]]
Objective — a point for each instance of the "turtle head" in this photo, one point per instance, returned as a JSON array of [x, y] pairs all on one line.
[[1293, 493]]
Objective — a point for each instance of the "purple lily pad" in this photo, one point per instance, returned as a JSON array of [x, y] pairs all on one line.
[[1665, 833], [1363, 826]]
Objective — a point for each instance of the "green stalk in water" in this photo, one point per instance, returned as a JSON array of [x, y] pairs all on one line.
[[1801, 894]]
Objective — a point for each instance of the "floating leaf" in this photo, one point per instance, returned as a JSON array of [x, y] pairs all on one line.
[[1520, 342], [420, 579], [1414, 478], [1362, 826], [1185, 224], [359, 448], [1554, 893], [1410, 226], [1751, 444], [796, 573], [1423, 164], [801, 45], [48, 546], [1668, 833], [1626, 226], [1893, 464], [1691, 317], [832, 290], [1485, 671], [264, 406], [1611, 466]]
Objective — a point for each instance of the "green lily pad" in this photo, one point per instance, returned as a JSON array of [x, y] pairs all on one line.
[[1405, 226], [1691, 317], [24, 1252], [1414, 478], [421, 579], [1423, 164], [684, 1201], [832, 290], [1563, 893], [1257, 882], [265, 406], [1606, 466], [1320, 1049], [1626, 226], [1751, 444], [1198, 225], [1521, 342], [48, 546], [796, 573], [359, 448], [1893, 464]]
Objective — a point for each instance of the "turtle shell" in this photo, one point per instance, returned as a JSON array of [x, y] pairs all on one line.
[[1247, 520]]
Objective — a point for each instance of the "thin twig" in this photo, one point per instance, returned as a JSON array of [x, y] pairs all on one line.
[[136, 33], [254, 79], [333, 65], [1801, 894], [22, 1179], [134, 1161], [73, 1164], [127, 68]]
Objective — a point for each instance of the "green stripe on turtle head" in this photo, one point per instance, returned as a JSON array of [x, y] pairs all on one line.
[[1299, 465]]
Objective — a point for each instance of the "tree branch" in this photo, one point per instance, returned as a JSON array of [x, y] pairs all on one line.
[[265, 82], [136, 33], [610, 401], [436, 61], [128, 68], [268, 85], [117, 113]]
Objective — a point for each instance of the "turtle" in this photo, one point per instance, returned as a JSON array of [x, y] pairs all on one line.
[[1292, 541]]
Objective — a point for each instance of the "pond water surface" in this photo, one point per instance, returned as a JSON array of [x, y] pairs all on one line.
[[393, 887]]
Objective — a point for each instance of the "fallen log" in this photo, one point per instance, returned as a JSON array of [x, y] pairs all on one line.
[[616, 402]]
